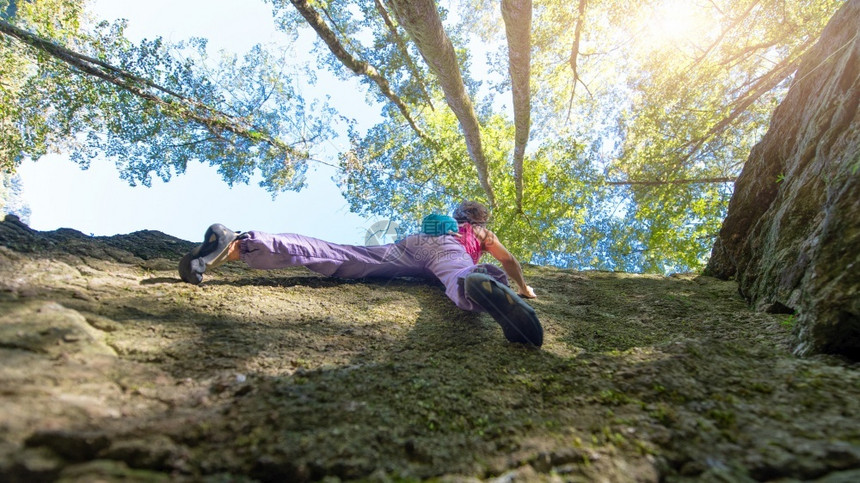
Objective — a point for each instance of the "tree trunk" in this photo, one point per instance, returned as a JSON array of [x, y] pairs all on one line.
[[517, 15], [421, 20]]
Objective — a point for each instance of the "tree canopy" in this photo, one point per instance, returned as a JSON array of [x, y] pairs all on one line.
[[152, 110], [605, 134]]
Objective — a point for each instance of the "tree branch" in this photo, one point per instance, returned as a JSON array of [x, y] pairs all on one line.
[[183, 108], [761, 86], [359, 67], [574, 52], [401, 44], [723, 34], [672, 182]]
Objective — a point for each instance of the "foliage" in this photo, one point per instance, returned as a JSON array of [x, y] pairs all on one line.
[[11, 197], [666, 93], [390, 172], [152, 107], [642, 113], [663, 100]]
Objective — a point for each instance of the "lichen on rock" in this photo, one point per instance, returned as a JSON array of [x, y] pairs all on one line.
[[791, 237]]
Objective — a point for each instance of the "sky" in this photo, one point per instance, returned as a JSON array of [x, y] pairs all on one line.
[[97, 202]]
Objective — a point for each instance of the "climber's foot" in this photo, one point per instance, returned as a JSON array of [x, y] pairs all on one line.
[[210, 254], [518, 319]]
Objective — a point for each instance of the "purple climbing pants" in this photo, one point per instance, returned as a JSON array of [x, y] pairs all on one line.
[[442, 257]]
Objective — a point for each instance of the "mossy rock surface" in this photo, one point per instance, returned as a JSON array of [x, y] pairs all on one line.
[[113, 370]]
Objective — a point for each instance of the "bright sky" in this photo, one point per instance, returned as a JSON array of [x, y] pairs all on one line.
[[96, 201]]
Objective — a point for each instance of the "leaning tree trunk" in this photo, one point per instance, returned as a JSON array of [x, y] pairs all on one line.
[[517, 15], [792, 233], [421, 20]]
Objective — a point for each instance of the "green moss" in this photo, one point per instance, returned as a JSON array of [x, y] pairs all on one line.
[[351, 379]]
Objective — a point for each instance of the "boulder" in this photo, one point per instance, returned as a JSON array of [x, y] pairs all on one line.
[[792, 233]]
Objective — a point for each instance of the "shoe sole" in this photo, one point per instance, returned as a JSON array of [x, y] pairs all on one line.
[[210, 254], [518, 320]]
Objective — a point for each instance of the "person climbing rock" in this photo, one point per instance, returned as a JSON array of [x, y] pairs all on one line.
[[448, 249]]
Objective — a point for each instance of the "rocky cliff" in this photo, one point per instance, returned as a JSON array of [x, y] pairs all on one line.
[[792, 233], [111, 369]]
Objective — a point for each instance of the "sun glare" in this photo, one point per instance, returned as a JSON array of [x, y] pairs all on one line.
[[679, 22]]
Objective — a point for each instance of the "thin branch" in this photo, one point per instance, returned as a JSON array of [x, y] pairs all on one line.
[[748, 52], [763, 85], [673, 182], [717, 7], [193, 143], [722, 35]]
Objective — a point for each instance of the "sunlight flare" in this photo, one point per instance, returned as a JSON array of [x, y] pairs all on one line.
[[679, 23]]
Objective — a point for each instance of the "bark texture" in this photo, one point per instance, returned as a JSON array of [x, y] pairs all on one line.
[[420, 18], [792, 233]]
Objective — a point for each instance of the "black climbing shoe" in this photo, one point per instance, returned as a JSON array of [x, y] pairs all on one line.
[[518, 319], [210, 254]]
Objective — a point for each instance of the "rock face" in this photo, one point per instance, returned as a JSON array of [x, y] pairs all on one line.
[[792, 233], [112, 369]]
